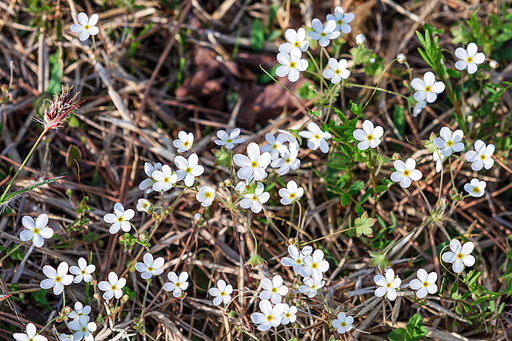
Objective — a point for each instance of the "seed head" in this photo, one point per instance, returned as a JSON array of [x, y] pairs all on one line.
[[58, 110]]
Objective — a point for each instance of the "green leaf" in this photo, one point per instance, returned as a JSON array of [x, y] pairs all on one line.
[[399, 119], [364, 225], [257, 36], [56, 71], [20, 192], [73, 154], [356, 187], [399, 334], [453, 73]]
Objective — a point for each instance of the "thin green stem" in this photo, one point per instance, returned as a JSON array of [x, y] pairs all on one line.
[[46, 326], [451, 171], [424, 196], [375, 88], [145, 298]]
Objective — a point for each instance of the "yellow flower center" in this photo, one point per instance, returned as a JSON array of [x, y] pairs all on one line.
[[31, 339], [292, 65], [86, 27], [113, 288], [313, 286], [482, 157], [254, 197], [298, 261], [254, 164], [223, 293], [188, 170], [82, 272], [314, 266], [317, 137], [150, 268], [476, 190], [287, 315], [274, 290], [80, 314], [343, 324], [323, 34], [339, 22], [275, 146], [406, 172], [449, 143], [388, 285], [337, 71], [428, 88], [120, 219], [460, 255], [58, 279], [270, 318], [208, 195], [36, 230], [425, 284], [186, 144], [84, 329], [288, 160], [166, 180], [177, 285], [145, 205], [369, 137], [470, 59], [229, 140], [296, 44], [292, 195]]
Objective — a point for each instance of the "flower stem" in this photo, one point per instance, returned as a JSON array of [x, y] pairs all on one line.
[[375, 88], [424, 197], [145, 298]]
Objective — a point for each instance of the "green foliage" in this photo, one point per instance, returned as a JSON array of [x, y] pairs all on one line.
[[413, 331], [431, 51], [56, 72], [364, 225], [379, 259], [223, 157], [257, 36], [40, 297]]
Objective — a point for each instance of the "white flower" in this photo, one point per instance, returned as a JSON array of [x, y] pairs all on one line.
[[291, 193], [177, 284], [241, 187], [143, 205], [475, 188], [438, 158], [149, 169], [337, 70], [83, 329], [165, 179], [427, 88], [205, 196], [401, 58], [289, 314], [64, 337], [343, 323], [29, 335], [291, 64], [287, 161], [150, 267], [222, 292], [315, 265], [342, 20], [184, 141], [296, 258], [360, 39], [273, 289], [316, 137], [296, 39], [369, 136], [56, 279], [448, 142], [324, 33], [405, 172], [275, 146], [387, 285], [469, 58], [188, 170], [36, 230], [114, 286], [418, 108], [481, 156], [252, 167], [79, 311], [311, 286], [426, 283], [269, 317], [82, 271], [459, 255], [256, 199], [120, 219], [229, 141], [86, 27]]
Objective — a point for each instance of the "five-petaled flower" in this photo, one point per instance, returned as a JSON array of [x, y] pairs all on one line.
[[222, 292], [120, 219], [296, 258], [469, 58], [79, 311], [475, 187], [459, 255], [114, 286], [427, 88], [405, 172], [273, 289], [337, 70], [315, 265], [177, 284], [149, 169], [481, 156], [36, 230], [86, 27], [369, 136], [311, 286], [426, 283], [316, 137], [324, 34], [143, 205], [275, 145], [387, 285]]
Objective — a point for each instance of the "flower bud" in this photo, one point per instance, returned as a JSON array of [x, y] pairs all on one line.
[[443, 201], [396, 156], [222, 185], [452, 192], [68, 310], [22, 295], [136, 320], [93, 56], [311, 87], [125, 298], [5, 87], [401, 58], [493, 64], [142, 237], [94, 282], [271, 214], [291, 241], [96, 296], [360, 39], [121, 239], [228, 182]]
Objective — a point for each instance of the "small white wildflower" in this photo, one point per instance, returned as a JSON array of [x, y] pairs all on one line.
[[222, 292], [459, 255], [241, 187], [57, 279], [360, 39], [83, 271], [449, 142], [427, 88], [291, 193], [292, 65], [63, 337], [86, 27], [311, 286], [289, 314], [475, 188], [79, 311], [469, 58], [188, 169], [296, 39], [296, 258], [438, 158], [120, 219], [481, 156], [229, 141], [275, 145], [324, 34], [387, 285], [143, 205], [29, 335], [426, 283], [36, 230], [315, 265], [184, 141], [343, 323], [337, 70], [83, 329], [342, 20], [114, 286], [252, 167], [368, 136], [269, 317], [273, 289], [205, 196], [287, 161], [316, 137], [493, 64], [165, 179], [177, 284], [418, 108], [405, 172], [147, 184], [255, 200], [150, 267], [401, 58]]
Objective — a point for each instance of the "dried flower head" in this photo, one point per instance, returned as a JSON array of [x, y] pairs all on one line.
[[58, 110]]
